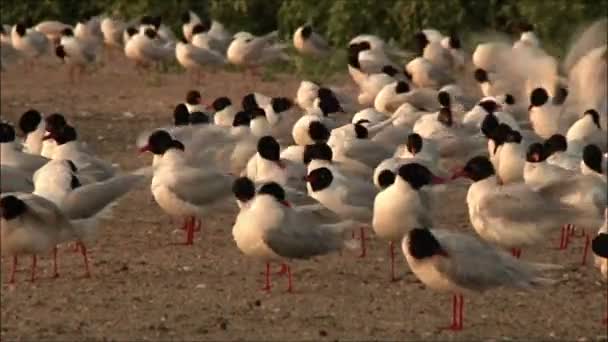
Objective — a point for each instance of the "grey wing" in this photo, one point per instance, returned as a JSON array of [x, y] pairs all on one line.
[[201, 188], [478, 266], [319, 43], [523, 206], [15, 180], [359, 193], [302, 241], [368, 152], [204, 56], [89, 200]]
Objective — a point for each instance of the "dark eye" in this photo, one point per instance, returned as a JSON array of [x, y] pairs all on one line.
[[248, 40]]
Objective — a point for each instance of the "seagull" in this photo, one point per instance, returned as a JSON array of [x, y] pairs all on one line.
[[195, 58], [11, 154], [448, 261], [514, 215], [76, 53], [15, 180], [251, 51], [308, 42], [402, 205], [30, 43], [225, 111], [33, 128], [182, 190], [268, 228], [347, 197]]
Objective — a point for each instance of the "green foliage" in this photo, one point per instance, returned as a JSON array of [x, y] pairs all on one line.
[[339, 20]]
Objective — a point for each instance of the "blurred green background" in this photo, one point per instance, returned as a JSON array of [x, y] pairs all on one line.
[[556, 21], [339, 20]]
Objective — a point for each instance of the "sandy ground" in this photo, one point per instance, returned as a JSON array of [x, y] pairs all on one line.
[[144, 289]]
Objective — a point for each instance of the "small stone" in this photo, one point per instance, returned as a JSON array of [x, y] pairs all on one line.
[[223, 325], [201, 286], [128, 115], [322, 333], [257, 303]]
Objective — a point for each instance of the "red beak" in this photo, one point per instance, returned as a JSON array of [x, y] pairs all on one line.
[[281, 164], [144, 149], [443, 253], [307, 178], [285, 203], [459, 174], [47, 136]]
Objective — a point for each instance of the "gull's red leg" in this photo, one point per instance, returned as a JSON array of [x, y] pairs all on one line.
[[13, 270], [55, 269], [363, 248], [586, 250], [290, 284], [392, 255], [34, 261], [83, 250]]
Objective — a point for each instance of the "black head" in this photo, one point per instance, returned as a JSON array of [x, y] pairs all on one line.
[[592, 157], [386, 178], [29, 121], [361, 132], [72, 166], [159, 142], [131, 31], [257, 113], [2, 30], [353, 61], [185, 17], [561, 94], [326, 93], [67, 32], [156, 21], [150, 33], [199, 118], [390, 70], [477, 168], [536, 153], [488, 125], [595, 116], [75, 183], [525, 27], [402, 87], [509, 99], [11, 207], [181, 115], [241, 119], [273, 189], [306, 31], [203, 27], [221, 103], [7, 133], [320, 178], [66, 134], [416, 175], [362, 121], [243, 189], [454, 42], [317, 151], [481, 76], [20, 28], [538, 97], [248, 103], [444, 99], [60, 52], [55, 122], [445, 116], [329, 105], [183, 40], [193, 97], [145, 20], [281, 104], [513, 137], [599, 245], [318, 132], [499, 134], [421, 42], [555, 143], [364, 45], [414, 143], [269, 148], [490, 106], [422, 244]]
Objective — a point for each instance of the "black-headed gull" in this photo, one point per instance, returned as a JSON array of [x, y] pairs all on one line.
[[448, 261], [403, 205], [269, 229]]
